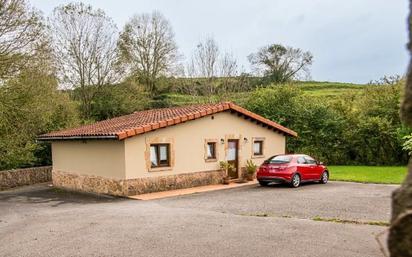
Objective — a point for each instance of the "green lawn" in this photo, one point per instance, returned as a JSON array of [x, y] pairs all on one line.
[[369, 174], [330, 90]]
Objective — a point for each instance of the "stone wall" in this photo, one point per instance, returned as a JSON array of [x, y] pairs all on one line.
[[121, 187], [89, 183], [171, 182], [21, 177]]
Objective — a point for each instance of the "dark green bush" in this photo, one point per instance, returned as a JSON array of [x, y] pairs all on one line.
[[357, 129]]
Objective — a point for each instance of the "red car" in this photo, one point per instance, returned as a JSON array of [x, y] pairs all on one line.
[[292, 169]]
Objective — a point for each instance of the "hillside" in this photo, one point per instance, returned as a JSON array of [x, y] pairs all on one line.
[[330, 90]]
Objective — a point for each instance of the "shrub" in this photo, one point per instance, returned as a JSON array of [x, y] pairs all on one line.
[[357, 128], [30, 104]]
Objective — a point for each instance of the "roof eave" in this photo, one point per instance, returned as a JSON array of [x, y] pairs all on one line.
[[263, 120], [51, 138]]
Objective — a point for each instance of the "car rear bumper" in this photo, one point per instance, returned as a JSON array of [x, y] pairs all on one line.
[[278, 179]]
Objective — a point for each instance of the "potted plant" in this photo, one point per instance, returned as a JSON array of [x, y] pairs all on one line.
[[250, 169], [226, 167]]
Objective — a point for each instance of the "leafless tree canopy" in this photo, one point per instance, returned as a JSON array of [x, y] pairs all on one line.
[[228, 66], [147, 44], [21, 28], [206, 65], [84, 42], [281, 63], [205, 59]]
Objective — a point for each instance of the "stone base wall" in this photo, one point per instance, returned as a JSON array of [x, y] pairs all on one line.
[[89, 183], [126, 187], [22, 177]]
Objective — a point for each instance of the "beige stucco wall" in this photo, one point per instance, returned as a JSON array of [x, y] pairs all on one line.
[[188, 144], [93, 157]]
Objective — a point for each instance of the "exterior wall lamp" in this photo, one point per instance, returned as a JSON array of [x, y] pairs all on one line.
[[222, 141]]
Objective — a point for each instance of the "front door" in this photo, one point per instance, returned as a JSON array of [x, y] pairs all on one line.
[[232, 156]]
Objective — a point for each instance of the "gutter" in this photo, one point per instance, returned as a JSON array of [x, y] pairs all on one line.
[[76, 138]]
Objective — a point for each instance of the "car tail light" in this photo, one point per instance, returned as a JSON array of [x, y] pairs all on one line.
[[264, 168]]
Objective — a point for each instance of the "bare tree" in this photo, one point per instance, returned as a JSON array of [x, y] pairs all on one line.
[[147, 44], [228, 70], [204, 63], [205, 58], [228, 65], [207, 61], [21, 34], [190, 88], [84, 42], [281, 63], [209, 64]]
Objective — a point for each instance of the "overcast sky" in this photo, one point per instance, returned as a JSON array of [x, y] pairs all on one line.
[[352, 40]]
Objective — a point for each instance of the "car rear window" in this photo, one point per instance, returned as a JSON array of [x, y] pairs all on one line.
[[280, 159]]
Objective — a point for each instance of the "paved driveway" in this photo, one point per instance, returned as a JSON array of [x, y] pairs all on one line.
[[43, 221]]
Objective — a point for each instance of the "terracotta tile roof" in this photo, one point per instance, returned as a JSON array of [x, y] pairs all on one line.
[[145, 121]]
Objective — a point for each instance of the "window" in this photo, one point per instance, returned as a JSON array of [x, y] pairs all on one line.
[[258, 147], [279, 159], [301, 160], [310, 160], [211, 150], [159, 155]]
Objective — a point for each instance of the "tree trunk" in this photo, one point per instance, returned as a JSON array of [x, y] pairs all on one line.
[[400, 236]]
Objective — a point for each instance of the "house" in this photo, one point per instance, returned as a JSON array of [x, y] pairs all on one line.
[[162, 149]]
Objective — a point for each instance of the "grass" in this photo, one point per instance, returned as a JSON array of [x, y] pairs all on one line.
[[318, 218], [336, 220], [326, 90], [369, 174]]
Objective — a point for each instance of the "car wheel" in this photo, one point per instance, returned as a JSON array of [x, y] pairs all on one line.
[[263, 183], [325, 177], [295, 181]]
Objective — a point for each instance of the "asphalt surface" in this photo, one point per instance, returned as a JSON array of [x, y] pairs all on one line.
[[249, 221]]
